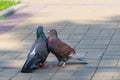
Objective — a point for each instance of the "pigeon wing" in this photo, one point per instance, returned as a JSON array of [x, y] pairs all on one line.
[[63, 49]]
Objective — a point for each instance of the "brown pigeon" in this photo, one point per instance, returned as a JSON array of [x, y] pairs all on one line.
[[61, 50]]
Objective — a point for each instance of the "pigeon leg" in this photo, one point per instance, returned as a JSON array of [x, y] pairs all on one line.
[[63, 65], [43, 65]]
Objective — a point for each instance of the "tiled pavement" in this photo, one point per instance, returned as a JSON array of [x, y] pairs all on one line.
[[91, 27]]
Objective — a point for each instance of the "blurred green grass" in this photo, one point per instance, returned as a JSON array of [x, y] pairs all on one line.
[[4, 4]]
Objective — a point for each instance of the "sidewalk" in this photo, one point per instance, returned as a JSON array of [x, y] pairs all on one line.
[[91, 27]]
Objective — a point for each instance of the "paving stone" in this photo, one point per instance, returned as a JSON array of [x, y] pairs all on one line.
[[82, 26], [103, 26], [86, 42], [107, 32], [10, 55], [92, 63], [84, 72], [102, 78], [94, 55], [89, 37], [59, 25], [118, 65], [65, 73], [112, 63], [75, 37], [40, 78], [111, 55], [116, 36], [41, 74], [93, 32], [79, 32], [8, 72], [113, 48], [70, 78], [11, 63], [4, 78], [70, 26], [21, 78], [106, 73], [102, 42], [63, 37], [91, 47], [91, 50], [75, 32], [115, 42], [71, 41]]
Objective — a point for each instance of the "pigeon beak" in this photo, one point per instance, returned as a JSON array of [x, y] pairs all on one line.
[[48, 32]]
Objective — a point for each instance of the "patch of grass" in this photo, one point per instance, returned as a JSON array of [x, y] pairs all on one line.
[[3, 18], [4, 4]]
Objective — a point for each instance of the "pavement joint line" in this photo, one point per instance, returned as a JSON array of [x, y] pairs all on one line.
[[13, 76], [54, 74], [27, 36], [103, 55], [82, 39]]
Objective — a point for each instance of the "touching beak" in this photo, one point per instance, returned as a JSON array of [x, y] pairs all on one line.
[[48, 32]]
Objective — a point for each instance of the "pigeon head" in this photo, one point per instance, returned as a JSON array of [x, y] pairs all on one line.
[[52, 33], [40, 33]]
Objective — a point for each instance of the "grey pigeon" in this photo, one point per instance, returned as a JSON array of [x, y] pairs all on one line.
[[61, 50], [38, 52]]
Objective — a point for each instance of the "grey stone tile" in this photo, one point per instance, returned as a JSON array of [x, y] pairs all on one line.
[[35, 74], [103, 26], [108, 63], [106, 73], [91, 50], [93, 32], [82, 26], [75, 37], [11, 63], [86, 42], [10, 55], [92, 63], [89, 37], [107, 32], [8, 72], [4, 78], [40, 78], [71, 41], [75, 32], [118, 65], [70, 27], [65, 72], [115, 43], [113, 48], [84, 72], [111, 55], [21, 78], [63, 37], [94, 55], [70, 78], [116, 36], [91, 47], [79, 32], [102, 42]]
